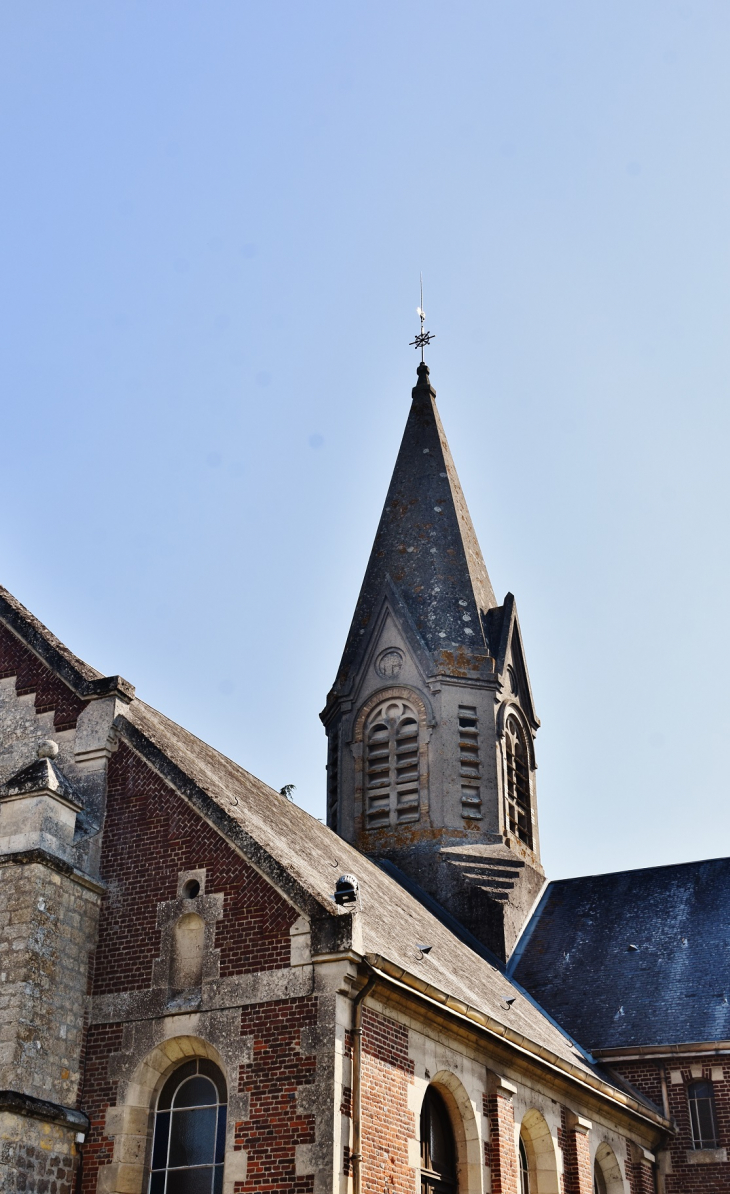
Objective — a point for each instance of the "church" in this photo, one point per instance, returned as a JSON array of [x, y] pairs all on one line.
[[205, 990]]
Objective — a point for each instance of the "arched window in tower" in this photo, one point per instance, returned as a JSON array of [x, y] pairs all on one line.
[[190, 1131], [392, 765], [519, 806], [438, 1149]]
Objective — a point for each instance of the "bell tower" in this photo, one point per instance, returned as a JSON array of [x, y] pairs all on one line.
[[430, 721]]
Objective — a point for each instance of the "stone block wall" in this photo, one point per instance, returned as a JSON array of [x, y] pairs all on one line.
[[36, 1157], [48, 924]]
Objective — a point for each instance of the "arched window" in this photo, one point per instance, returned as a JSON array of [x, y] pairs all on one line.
[[599, 1181], [392, 765], [438, 1149], [519, 806], [190, 1131], [702, 1113], [524, 1169]]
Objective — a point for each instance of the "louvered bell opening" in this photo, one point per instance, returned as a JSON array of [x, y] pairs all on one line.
[[406, 770], [378, 760], [378, 776], [468, 742]]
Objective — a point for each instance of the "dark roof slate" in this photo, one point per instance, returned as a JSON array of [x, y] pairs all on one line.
[[426, 544], [575, 956]]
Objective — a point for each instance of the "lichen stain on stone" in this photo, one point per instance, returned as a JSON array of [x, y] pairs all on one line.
[[462, 663]]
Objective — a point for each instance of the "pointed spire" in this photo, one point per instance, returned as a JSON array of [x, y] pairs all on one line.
[[425, 543]]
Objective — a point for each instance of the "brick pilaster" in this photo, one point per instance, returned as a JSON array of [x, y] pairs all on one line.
[[502, 1153], [641, 1175], [575, 1142]]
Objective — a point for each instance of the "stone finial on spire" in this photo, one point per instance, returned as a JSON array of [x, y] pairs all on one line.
[[424, 379]]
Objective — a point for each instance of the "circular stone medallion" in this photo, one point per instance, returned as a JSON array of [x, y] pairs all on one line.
[[389, 663]]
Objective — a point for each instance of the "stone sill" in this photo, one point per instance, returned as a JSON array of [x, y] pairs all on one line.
[[706, 1156]]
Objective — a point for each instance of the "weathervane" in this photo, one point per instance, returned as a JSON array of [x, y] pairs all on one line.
[[422, 338]]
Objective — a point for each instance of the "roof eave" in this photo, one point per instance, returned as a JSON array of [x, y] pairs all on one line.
[[538, 1054]]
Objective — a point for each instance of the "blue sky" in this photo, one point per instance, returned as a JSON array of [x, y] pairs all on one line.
[[213, 221]]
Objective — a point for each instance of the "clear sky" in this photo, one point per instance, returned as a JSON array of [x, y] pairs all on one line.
[[214, 216]]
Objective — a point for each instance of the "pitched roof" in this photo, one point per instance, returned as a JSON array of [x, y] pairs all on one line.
[[577, 956], [393, 921], [304, 858], [426, 543]]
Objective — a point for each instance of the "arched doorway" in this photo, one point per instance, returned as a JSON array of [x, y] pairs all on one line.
[[607, 1177], [438, 1146], [524, 1169], [537, 1156]]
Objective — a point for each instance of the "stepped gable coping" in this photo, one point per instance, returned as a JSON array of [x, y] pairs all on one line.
[[81, 678]]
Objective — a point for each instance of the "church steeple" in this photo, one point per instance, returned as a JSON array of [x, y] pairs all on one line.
[[426, 544], [430, 721]]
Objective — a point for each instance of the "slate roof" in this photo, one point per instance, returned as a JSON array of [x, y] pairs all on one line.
[[575, 955], [426, 544]]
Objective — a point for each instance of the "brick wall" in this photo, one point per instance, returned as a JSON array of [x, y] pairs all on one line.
[[99, 1092], [281, 1066], [387, 1122], [642, 1178], [34, 676], [685, 1177], [150, 835]]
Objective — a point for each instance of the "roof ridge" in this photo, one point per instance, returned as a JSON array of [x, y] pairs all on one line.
[[661, 866]]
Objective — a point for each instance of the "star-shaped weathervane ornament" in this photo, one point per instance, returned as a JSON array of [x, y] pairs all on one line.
[[422, 338]]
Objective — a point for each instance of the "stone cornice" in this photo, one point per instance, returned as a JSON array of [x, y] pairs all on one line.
[[33, 1108], [45, 858]]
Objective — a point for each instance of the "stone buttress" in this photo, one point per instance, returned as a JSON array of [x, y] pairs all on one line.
[[55, 740]]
